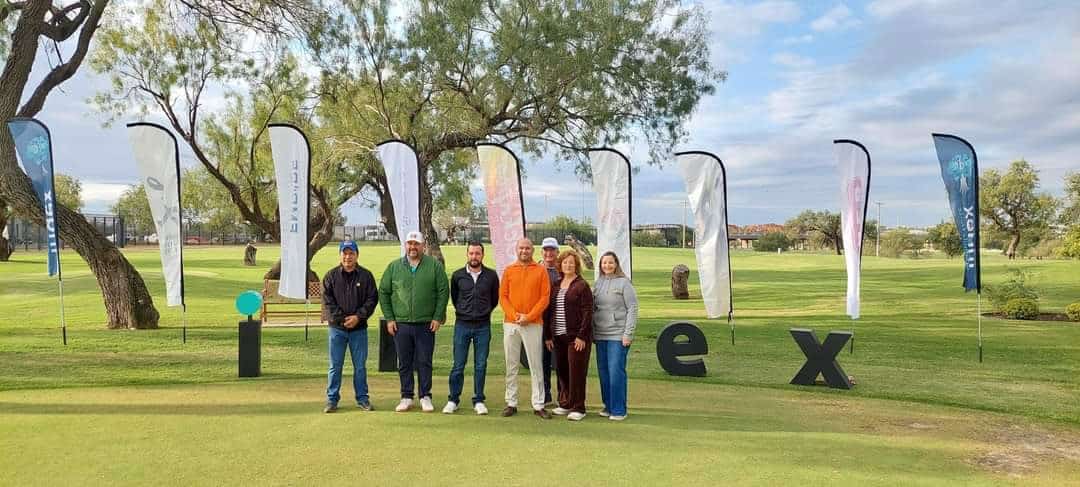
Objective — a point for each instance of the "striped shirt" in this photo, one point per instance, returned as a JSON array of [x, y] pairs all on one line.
[[560, 313]]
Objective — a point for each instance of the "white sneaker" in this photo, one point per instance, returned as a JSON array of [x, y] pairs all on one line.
[[480, 408], [617, 418], [450, 407], [604, 413], [575, 416], [404, 405], [426, 405], [560, 411]]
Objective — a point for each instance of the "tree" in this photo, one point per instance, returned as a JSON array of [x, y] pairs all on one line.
[[897, 242], [548, 75], [772, 241], [1070, 214], [946, 239], [822, 227], [167, 60], [135, 209], [68, 191], [1071, 246], [1011, 207], [560, 226], [27, 28]]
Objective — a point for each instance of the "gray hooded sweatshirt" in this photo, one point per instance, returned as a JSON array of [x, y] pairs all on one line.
[[615, 308]]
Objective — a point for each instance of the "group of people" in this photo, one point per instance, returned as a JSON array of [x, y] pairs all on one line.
[[550, 314]]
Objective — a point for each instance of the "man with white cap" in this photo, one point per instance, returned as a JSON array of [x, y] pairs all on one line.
[[549, 251], [350, 296], [413, 294]]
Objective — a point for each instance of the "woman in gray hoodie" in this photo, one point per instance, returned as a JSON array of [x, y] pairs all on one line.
[[614, 320]]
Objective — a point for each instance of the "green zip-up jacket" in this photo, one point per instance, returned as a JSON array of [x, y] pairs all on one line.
[[414, 296]]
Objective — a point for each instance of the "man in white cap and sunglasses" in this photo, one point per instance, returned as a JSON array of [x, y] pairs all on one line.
[[549, 251], [413, 295]]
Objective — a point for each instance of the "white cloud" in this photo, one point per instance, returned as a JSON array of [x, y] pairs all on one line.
[[790, 60], [837, 18], [796, 40], [99, 196], [735, 25]]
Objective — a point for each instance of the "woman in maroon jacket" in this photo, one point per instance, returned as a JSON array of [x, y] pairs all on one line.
[[568, 333]]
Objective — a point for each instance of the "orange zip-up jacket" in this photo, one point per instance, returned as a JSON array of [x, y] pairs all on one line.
[[525, 288]]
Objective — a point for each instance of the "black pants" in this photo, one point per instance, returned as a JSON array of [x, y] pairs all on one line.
[[547, 375], [415, 345]]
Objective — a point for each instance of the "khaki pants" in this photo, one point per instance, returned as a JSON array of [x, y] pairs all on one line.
[[532, 338]]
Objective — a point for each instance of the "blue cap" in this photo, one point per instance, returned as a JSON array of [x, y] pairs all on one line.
[[348, 244]]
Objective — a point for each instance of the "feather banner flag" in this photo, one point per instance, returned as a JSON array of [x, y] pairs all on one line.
[[706, 187], [402, 169], [854, 163], [158, 159], [505, 206], [960, 172], [33, 144], [292, 169], [612, 183]]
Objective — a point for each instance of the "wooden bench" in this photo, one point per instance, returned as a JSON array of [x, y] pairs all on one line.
[[293, 308]]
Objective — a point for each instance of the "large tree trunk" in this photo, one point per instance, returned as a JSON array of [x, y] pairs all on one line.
[[127, 303], [838, 244], [431, 237], [1014, 242], [6, 247]]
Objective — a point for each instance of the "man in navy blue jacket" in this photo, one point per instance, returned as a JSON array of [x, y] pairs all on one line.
[[350, 296], [474, 290]]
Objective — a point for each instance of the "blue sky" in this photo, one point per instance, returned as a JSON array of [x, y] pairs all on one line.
[[1005, 75]]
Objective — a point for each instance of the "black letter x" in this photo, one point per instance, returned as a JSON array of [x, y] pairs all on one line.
[[821, 358]]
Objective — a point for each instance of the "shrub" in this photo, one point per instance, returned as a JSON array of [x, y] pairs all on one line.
[[1016, 286], [648, 239], [1021, 309], [1073, 311], [772, 241]]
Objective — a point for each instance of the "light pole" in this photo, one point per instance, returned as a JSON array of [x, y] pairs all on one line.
[[684, 224], [877, 246]]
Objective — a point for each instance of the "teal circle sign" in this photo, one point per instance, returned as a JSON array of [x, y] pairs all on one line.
[[248, 302]]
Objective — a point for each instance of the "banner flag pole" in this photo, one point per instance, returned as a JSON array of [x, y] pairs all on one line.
[[307, 302], [978, 310], [63, 323], [183, 322]]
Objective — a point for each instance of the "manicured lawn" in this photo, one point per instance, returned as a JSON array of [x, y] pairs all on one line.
[[140, 406]]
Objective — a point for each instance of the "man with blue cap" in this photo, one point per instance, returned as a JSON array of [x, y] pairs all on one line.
[[350, 296]]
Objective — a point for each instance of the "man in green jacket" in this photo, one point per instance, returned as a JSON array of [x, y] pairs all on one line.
[[413, 296]]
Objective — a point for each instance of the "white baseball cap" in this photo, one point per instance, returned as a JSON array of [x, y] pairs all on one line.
[[414, 236], [550, 243]]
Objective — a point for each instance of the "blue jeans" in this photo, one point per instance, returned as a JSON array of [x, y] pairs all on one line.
[[356, 340], [480, 336], [611, 363]]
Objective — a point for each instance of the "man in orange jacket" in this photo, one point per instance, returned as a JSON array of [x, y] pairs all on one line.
[[523, 297]]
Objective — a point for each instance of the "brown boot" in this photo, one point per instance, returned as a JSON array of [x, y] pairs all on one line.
[[509, 411], [542, 413]]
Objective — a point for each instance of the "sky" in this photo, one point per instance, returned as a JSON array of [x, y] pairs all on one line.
[[1004, 75]]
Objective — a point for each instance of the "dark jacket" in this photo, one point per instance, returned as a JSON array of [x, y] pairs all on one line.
[[579, 308], [473, 302], [349, 293]]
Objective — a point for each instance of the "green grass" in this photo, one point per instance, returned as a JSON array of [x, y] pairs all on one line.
[[924, 410]]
